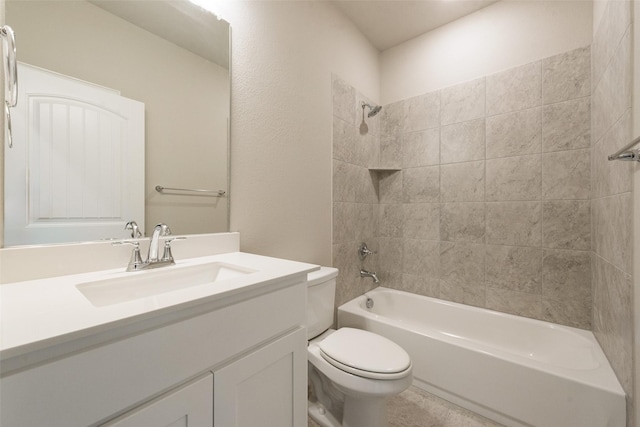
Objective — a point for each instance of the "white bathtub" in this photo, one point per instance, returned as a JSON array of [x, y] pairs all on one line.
[[514, 370]]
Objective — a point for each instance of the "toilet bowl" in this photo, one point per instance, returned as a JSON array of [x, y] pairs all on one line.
[[351, 372]]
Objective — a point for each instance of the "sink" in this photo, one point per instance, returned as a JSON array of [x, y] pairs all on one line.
[[142, 284]]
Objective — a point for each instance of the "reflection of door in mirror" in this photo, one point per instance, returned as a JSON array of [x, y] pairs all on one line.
[[77, 173], [169, 54]]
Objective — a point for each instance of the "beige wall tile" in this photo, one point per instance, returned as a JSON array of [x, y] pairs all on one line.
[[421, 257], [366, 222], [390, 254], [514, 178], [366, 185], [519, 303], [463, 102], [422, 221], [344, 174], [422, 285], [367, 149], [391, 119], [344, 222], [462, 142], [462, 182], [611, 219], [422, 112], [610, 178], [471, 294], [567, 125], [462, 263], [576, 313], [613, 318], [391, 220], [515, 89], [566, 274], [566, 224], [390, 187], [514, 268], [566, 76], [612, 95], [421, 148], [566, 175], [344, 141], [462, 222], [391, 151], [421, 184], [514, 223], [514, 134]]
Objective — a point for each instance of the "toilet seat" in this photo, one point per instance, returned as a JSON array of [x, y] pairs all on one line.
[[365, 354]]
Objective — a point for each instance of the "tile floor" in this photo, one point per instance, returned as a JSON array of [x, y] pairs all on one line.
[[416, 408]]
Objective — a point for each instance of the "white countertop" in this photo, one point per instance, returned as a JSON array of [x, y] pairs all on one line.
[[39, 314]]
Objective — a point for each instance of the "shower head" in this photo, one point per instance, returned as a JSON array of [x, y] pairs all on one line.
[[373, 109]]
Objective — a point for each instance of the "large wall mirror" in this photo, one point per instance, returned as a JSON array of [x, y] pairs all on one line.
[[169, 59]]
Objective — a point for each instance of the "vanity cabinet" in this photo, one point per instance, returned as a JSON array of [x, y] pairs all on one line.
[[188, 406], [240, 361], [265, 387]]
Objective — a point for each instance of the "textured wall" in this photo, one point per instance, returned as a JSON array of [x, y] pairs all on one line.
[[503, 35], [611, 186], [284, 53]]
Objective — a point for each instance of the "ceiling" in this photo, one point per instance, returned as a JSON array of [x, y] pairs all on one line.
[[387, 23]]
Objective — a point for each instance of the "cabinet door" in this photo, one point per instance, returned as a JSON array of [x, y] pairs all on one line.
[[266, 388], [188, 406]]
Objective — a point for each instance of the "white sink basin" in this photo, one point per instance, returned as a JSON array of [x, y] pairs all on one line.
[[142, 284]]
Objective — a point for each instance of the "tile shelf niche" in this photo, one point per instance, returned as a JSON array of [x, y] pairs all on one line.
[[383, 169]]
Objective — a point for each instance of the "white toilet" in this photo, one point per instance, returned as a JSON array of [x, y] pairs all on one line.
[[351, 371]]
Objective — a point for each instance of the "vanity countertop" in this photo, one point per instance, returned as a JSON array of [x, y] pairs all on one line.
[[49, 317]]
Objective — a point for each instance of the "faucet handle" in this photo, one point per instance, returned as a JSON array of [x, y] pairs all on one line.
[[135, 231], [136, 260], [167, 255], [363, 251]]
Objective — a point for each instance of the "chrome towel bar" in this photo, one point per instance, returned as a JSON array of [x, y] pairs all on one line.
[[626, 154], [214, 193]]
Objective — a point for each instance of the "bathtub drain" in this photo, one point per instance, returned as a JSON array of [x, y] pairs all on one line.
[[369, 302]]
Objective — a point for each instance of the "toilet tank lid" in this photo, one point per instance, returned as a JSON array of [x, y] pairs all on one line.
[[321, 276]]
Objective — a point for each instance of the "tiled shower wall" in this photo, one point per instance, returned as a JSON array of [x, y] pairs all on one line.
[[355, 190], [611, 204], [490, 205]]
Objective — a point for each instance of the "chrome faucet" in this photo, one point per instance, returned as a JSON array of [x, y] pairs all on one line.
[[159, 230], [136, 263], [372, 274]]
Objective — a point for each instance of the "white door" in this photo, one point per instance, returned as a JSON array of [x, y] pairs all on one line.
[[189, 406], [267, 388], [76, 170]]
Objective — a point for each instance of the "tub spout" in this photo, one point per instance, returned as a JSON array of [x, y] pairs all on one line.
[[372, 274]]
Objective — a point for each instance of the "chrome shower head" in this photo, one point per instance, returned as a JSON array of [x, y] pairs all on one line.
[[373, 109]]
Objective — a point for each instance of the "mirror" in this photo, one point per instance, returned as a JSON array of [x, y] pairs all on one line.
[[170, 55]]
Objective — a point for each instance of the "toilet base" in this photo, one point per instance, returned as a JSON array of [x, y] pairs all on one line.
[[322, 417], [364, 412], [357, 413]]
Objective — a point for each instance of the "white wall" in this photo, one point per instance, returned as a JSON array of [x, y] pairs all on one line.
[[504, 35], [281, 121]]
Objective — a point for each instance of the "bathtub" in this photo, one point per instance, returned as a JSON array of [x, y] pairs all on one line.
[[514, 370]]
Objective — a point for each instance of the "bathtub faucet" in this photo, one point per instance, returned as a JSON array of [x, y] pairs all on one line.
[[372, 274]]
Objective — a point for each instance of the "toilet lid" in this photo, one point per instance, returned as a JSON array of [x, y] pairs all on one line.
[[365, 354]]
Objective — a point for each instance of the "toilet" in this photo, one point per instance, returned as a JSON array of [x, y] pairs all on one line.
[[351, 371]]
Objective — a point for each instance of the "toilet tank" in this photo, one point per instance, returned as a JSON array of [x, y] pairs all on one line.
[[321, 295]]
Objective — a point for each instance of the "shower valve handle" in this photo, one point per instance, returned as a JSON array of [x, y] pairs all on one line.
[[363, 251]]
